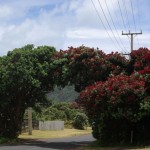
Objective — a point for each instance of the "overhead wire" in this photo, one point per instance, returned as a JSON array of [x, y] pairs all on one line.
[[126, 26], [128, 21], [108, 23], [134, 20], [114, 25], [103, 23], [133, 15], [122, 18], [118, 21], [139, 17], [122, 15], [139, 14]]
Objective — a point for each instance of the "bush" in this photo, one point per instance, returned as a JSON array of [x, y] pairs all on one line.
[[58, 111], [80, 121], [116, 108], [3, 140]]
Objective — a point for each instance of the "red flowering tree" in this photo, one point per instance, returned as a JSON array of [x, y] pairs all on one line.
[[140, 58], [122, 101], [83, 66], [141, 64], [118, 63], [115, 106], [146, 74], [110, 98], [119, 96]]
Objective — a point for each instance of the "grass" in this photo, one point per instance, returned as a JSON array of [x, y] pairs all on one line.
[[37, 134], [3, 140], [96, 146], [112, 148], [9, 141]]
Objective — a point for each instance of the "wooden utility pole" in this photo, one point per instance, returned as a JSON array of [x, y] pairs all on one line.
[[132, 36], [30, 120]]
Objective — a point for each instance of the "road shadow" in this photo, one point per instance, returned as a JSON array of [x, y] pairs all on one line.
[[72, 143], [58, 145]]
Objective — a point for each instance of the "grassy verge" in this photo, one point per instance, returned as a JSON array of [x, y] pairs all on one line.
[[3, 140], [8, 141], [112, 148], [96, 146], [37, 134]]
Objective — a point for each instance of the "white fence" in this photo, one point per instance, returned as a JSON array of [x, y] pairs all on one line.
[[51, 125]]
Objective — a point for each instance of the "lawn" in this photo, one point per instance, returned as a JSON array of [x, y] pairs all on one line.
[[37, 134]]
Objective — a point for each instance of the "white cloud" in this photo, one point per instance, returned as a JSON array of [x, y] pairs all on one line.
[[46, 29], [61, 23], [87, 15], [5, 11], [95, 38], [74, 5], [87, 33]]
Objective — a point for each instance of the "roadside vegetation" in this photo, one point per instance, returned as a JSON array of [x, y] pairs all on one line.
[[69, 112], [37, 134], [114, 92]]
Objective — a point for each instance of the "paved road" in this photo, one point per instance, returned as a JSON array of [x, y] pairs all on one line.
[[70, 143]]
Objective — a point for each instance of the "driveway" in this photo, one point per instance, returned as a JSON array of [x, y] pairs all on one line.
[[69, 143]]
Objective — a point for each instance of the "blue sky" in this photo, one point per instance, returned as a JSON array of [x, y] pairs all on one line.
[[64, 23]]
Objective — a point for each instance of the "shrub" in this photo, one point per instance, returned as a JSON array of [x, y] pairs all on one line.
[[3, 140], [116, 107], [58, 111], [80, 121]]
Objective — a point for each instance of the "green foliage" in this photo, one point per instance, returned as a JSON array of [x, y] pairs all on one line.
[[3, 140], [80, 121], [25, 76], [145, 106], [61, 111], [116, 103], [51, 114]]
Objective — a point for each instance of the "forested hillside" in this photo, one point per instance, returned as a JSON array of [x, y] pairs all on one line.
[[63, 94]]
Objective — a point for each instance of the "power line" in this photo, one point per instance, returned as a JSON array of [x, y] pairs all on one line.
[[139, 18], [117, 18], [114, 24], [103, 23], [139, 14], [133, 15], [122, 16], [109, 24], [134, 20], [124, 4]]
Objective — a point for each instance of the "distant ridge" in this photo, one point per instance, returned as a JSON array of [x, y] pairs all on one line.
[[65, 94]]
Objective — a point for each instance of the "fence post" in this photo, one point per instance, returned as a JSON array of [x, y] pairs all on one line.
[[30, 120]]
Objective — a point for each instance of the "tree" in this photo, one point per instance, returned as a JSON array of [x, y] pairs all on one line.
[[120, 105], [83, 66], [25, 77]]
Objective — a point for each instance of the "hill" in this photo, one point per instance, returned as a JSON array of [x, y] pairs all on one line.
[[63, 94]]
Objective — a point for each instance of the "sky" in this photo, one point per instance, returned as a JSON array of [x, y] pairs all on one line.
[[65, 23]]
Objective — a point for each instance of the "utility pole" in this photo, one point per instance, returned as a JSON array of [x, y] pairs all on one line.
[[132, 36], [30, 120]]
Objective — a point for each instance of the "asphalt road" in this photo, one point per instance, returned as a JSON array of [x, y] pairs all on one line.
[[69, 143]]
